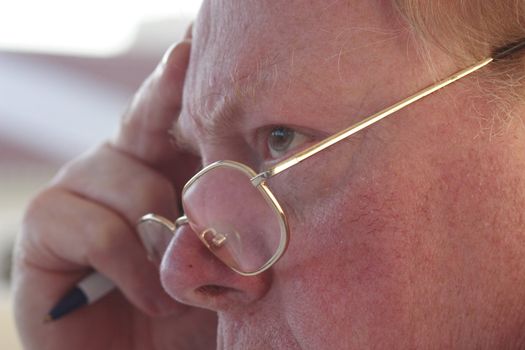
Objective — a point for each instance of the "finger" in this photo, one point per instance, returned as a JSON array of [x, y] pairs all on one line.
[[58, 244], [121, 183], [145, 128], [123, 189], [189, 32]]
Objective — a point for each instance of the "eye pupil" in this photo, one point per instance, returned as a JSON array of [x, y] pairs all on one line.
[[280, 139]]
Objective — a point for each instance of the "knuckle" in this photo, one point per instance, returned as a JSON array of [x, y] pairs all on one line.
[[118, 181], [79, 166], [39, 207], [42, 224]]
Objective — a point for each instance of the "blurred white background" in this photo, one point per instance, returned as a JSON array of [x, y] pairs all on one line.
[[67, 70]]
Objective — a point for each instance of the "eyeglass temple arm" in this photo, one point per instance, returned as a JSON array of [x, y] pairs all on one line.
[[331, 140]]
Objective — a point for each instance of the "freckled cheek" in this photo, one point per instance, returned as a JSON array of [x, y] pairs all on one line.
[[358, 240], [352, 286], [347, 258], [331, 210]]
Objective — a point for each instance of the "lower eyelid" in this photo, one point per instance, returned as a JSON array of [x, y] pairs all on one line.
[[307, 137], [305, 143]]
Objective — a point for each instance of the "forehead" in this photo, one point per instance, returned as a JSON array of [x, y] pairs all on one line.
[[285, 51], [242, 34]]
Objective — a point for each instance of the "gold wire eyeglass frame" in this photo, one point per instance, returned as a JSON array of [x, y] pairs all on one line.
[[258, 180]]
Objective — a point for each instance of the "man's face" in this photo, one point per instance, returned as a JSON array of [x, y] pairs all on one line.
[[402, 236]]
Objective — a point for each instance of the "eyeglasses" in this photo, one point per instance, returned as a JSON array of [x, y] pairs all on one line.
[[233, 211]]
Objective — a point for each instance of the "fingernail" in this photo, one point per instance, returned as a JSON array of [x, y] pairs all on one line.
[[171, 52], [167, 54]]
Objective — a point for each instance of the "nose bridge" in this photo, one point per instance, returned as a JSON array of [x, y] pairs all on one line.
[[191, 274], [219, 199], [209, 191], [232, 217]]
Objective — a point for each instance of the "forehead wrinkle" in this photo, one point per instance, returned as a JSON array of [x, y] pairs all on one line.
[[217, 115], [210, 125]]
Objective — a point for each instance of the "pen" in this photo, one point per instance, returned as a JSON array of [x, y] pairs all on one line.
[[87, 291]]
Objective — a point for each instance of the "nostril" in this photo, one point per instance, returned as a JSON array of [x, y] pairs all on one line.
[[211, 290], [192, 275]]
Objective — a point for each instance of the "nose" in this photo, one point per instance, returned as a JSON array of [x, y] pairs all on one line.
[[192, 275]]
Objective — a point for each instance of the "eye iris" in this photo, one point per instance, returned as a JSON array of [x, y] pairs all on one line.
[[280, 139]]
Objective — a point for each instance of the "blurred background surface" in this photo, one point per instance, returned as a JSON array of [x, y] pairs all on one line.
[[67, 71]]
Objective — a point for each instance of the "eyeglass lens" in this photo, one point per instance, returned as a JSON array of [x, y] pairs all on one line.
[[231, 217]]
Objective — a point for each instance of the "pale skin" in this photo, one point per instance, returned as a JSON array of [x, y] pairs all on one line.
[[409, 235]]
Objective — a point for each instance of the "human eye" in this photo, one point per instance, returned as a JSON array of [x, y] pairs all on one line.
[[281, 140]]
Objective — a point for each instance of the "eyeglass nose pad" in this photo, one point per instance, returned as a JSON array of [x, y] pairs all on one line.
[[212, 238], [183, 220]]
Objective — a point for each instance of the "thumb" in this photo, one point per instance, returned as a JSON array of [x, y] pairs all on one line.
[[145, 128]]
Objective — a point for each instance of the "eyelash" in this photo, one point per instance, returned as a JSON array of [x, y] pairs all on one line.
[[298, 139]]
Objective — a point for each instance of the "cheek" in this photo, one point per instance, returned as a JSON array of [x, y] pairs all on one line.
[[351, 279], [395, 251], [349, 258]]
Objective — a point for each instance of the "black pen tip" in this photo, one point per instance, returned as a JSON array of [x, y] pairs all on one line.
[[48, 319]]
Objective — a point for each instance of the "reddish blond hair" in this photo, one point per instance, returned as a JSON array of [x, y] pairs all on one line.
[[469, 30]]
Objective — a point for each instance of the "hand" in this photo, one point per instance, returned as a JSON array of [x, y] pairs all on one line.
[[86, 219]]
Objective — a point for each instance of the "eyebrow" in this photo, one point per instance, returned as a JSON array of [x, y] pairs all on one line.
[[226, 112], [180, 141], [213, 125]]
